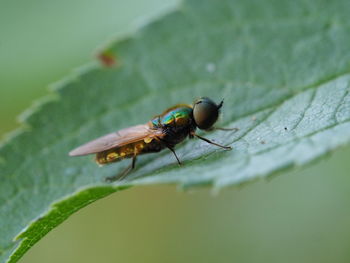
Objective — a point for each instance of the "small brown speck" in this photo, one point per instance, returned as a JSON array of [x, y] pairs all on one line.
[[107, 58], [285, 128], [262, 142]]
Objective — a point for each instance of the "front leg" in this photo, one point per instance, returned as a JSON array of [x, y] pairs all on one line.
[[222, 129], [211, 142]]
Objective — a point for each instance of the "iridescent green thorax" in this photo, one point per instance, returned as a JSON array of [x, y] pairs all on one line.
[[175, 117]]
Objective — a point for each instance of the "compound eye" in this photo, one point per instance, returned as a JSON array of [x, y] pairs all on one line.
[[205, 112]]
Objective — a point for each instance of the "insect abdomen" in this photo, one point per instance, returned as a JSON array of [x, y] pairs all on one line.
[[117, 154], [127, 151]]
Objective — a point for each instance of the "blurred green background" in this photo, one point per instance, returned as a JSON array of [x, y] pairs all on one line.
[[302, 216]]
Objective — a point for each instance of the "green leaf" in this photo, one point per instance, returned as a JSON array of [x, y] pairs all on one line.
[[281, 66]]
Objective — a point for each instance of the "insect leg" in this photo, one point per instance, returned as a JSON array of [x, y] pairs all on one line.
[[222, 129], [209, 141], [124, 173], [173, 151], [133, 162]]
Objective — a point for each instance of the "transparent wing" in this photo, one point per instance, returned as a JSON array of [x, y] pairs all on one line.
[[117, 139]]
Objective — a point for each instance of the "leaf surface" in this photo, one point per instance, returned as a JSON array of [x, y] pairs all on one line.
[[281, 66]]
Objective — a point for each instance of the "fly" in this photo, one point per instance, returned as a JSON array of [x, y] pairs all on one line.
[[163, 131]]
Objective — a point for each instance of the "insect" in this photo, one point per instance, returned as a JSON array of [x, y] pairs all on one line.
[[163, 131]]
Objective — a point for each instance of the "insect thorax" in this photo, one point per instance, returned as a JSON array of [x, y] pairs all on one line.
[[174, 117], [176, 123]]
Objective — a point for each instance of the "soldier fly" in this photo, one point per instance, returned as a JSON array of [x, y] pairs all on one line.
[[163, 131]]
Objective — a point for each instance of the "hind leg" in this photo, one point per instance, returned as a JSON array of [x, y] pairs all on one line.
[[124, 173]]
